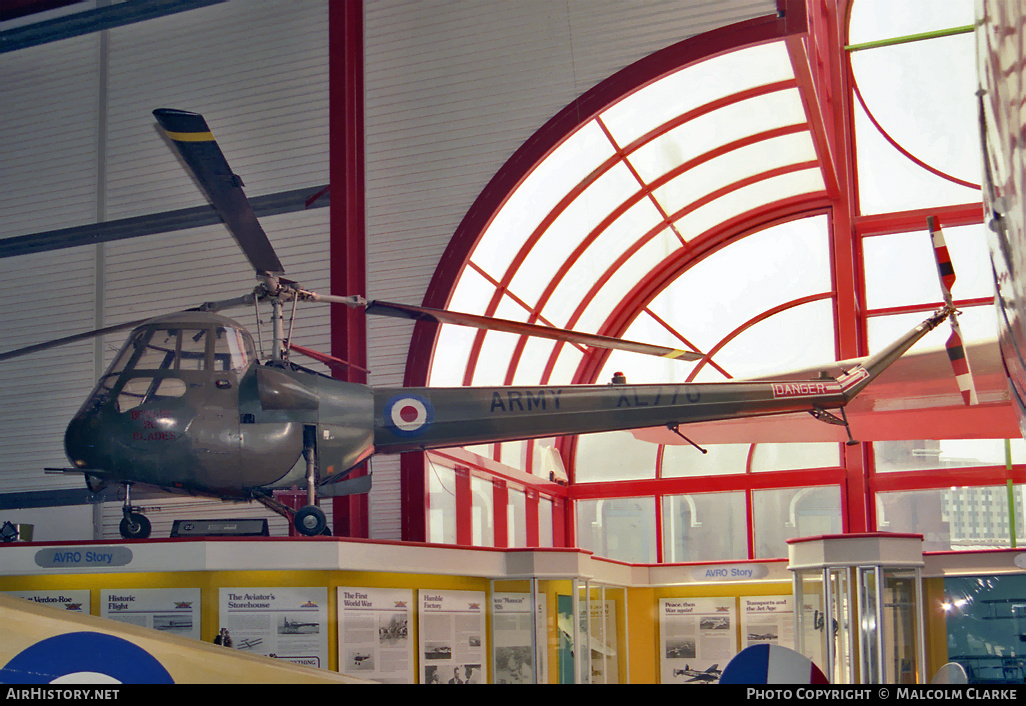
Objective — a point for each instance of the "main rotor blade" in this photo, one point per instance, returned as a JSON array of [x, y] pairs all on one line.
[[46, 345], [213, 307], [193, 140], [421, 313]]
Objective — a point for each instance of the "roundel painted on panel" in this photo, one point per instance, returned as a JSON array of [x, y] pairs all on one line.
[[84, 658], [409, 415]]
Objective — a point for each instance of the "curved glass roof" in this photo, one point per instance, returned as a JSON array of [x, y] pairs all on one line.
[[629, 194]]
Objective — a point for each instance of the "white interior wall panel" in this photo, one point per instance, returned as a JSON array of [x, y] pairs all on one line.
[[48, 178], [50, 97], [452, 91], [48, 295], [257, 71]]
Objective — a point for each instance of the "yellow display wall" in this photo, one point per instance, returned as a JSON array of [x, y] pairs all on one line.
[[623, 628]]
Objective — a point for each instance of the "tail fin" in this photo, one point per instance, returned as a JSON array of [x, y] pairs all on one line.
[[954, 345]]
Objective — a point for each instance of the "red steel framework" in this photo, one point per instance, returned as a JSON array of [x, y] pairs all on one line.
[[815, 34]]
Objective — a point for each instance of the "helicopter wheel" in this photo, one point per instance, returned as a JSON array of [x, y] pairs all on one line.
[[135, 526], [310, 521]]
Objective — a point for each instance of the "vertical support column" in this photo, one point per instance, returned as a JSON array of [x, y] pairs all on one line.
[[562, 522], [464, 507], [348, 246], [533, 538], [500, 511], [829, 69]]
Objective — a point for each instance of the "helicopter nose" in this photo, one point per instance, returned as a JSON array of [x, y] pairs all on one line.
[[81, 441]]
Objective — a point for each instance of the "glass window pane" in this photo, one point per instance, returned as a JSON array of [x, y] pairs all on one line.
[[494, 358], [695, 86], [705, 527], [614, 456], [985, 619], [883, 19], [615, 290], [545, 522], [516, 518], [482, 512], [794, 457], [794, 338], [598, 258], [888, 181], [923, 95], [160, 351], [513, 454], [532, 362], [715, 129], [946, 453], [571, 162], [569, 229], [739, 282], [452, 352], [959, 519], [731, 167], [472, 293], [441, 504], [785, 513], [748, 198], [193, 354], [685, 461], [233, 349], [900, 268], [565, 367], [618, 528]]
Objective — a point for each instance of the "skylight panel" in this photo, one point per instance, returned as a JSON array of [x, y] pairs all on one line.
[[568, 165], [708, 132], [569, 228], [695, 86], [599, 256]]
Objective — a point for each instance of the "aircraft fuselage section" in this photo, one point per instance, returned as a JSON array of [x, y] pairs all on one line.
[[410, 418]]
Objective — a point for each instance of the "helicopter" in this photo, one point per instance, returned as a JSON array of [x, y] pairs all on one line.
[[187, 406]]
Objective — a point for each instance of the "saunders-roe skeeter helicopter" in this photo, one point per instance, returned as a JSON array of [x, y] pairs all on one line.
[[186, 406]]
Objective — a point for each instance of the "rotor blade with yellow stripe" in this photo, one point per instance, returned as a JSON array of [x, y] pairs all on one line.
[[199, 150]]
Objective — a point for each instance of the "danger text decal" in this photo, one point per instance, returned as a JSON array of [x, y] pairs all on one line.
[[801, 389]]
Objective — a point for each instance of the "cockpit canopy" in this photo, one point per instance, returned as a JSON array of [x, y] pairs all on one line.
[[184, 342], [162, 354]]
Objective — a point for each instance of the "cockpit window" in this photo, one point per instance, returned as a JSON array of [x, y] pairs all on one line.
[[165, 349], [233, 349], [138, 390]]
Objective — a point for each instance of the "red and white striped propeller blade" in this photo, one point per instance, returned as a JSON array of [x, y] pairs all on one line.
[[955, 347]]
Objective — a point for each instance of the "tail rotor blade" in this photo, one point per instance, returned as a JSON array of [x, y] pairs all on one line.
[[195, 143], [960, 364], [945, 270], [954, 346]]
